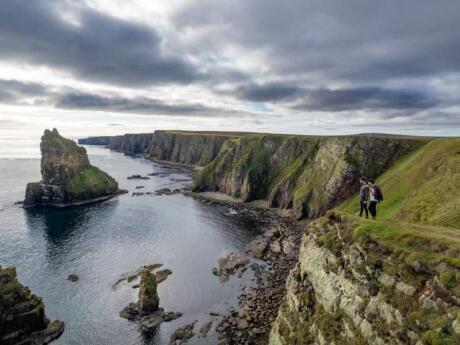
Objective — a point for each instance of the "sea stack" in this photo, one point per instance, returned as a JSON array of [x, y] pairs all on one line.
[[68, 179], [22, 314]]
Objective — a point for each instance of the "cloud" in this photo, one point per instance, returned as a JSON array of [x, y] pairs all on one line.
[[13, 91], [369, 98], [269, 92], [91, 45], [138, 105]]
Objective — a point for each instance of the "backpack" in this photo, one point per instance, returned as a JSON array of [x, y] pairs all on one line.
[[378, 193]]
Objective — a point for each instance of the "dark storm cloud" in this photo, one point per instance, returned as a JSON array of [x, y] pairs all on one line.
[[99, 48], [366, 98], [138, 105], [13, 91], [270, 92], [336, 40]]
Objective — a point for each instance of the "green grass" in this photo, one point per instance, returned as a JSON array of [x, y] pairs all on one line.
[[431, 244], [92, 179], [422, 187]]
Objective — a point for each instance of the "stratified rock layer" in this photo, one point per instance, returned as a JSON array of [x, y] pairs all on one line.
[[67, 176], [22, 314]]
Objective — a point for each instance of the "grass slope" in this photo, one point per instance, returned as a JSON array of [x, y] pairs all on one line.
[[422, 188], [420, 214]]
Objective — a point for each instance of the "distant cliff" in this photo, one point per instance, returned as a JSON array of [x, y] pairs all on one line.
[[22, 314], [190, 148], [67, 176], [306, 174]]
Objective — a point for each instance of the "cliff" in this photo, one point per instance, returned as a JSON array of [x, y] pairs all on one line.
[[189, 148], [102, 141], [394, 280], [67, 176], [22, 314], [306, 174]]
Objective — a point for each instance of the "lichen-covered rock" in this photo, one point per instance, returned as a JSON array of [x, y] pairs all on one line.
[[67, 176], [22, 314], [148, 295], [350, 291]]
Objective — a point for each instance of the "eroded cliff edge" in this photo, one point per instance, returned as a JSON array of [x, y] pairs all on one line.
[[67, 176]]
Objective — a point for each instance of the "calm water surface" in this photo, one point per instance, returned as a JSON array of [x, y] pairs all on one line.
[[102, 242]]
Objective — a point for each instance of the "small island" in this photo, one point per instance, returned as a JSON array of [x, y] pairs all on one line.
[[68, 179]]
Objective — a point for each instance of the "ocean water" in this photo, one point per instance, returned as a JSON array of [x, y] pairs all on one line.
[[102, 242]]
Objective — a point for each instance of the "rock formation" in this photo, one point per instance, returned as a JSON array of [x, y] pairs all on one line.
[[67, 176], [22, 314], [147, 309]]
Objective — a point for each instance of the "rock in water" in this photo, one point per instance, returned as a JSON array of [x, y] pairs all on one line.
[[22, 314], [67, 176], [148, 295]]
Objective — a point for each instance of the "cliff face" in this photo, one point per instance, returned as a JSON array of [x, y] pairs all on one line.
[[22, 314], [351, 289], [307, 174], [67, 176], [130, 143], [190, 148], [104, 141], [186, 148]]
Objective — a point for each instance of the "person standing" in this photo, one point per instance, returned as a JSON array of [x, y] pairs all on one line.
[[363, 196], [375, 196]]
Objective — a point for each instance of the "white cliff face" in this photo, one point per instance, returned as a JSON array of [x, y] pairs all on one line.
[[341, 294]]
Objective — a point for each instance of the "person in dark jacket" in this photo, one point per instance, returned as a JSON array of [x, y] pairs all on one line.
[[375, 196], [363, 196]]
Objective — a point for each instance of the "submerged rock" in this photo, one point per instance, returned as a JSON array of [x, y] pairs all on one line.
[[182, 334], [22, 314], [228, 265], [67, 176], [73, 278]]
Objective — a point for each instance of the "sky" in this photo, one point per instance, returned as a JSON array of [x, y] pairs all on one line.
[[93, 67]]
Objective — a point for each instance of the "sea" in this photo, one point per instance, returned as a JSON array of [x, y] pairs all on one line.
[[104, 242]]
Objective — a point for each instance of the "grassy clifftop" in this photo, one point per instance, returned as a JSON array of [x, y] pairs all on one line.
[[423, 187]]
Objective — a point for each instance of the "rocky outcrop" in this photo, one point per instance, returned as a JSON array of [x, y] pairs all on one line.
[[67, 176], [348, 290], [189, 148], [22, 314], [306, 174]]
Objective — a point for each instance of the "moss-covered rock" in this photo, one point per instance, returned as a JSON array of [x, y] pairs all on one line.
[[67, 176], [148, 295], [22, 314]]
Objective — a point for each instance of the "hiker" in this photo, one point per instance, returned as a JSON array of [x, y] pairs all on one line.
[[375, 196], [363, 196]]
